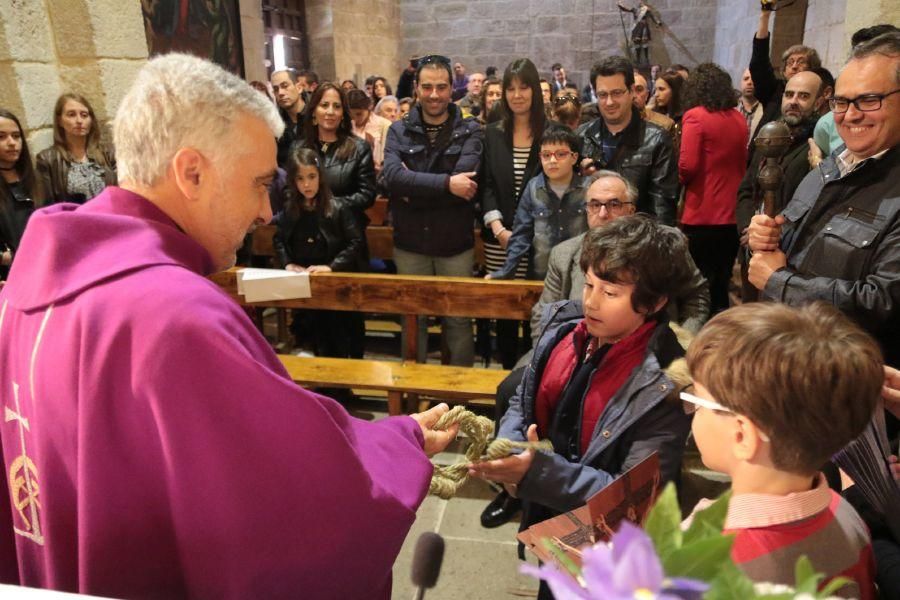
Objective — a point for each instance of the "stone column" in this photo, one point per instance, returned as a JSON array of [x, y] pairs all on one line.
[[253, 40]]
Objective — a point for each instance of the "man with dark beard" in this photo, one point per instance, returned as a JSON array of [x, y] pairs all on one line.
[[800, 105]]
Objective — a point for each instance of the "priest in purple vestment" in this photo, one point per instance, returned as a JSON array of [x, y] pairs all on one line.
[[153, 446]]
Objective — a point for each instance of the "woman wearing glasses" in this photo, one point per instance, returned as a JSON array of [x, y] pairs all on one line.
[[510, 160], [710, 166]]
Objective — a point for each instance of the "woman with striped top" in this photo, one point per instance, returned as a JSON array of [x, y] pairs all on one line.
[[510, 160]]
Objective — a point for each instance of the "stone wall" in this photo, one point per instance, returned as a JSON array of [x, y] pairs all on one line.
[[575, 33], [736, 23], [253, 40], [353, 39], [91, 47]]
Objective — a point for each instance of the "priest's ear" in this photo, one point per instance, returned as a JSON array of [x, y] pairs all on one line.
[[192, 170]]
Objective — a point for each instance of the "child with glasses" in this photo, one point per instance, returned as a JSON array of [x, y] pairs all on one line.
[[777, 391], [551, 209]]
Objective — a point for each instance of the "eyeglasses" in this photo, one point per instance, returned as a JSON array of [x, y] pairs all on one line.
[[565, 98], [559, 155], [690, 403], [434, 58], [864, 103], [594, 206], [614, 94]]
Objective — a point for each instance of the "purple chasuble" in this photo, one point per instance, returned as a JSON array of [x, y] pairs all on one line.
[[154, 446]]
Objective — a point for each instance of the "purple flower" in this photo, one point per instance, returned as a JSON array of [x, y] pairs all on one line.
[[629, 569]]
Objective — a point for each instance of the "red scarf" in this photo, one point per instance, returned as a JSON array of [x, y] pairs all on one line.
[[612, 372]]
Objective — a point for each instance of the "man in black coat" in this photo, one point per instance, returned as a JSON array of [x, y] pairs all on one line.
[[431, 160]]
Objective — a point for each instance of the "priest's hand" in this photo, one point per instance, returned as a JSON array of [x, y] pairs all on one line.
[[762, 265], [435, 441], [319, 269], [509, 470], [765, 232], [294, 268]]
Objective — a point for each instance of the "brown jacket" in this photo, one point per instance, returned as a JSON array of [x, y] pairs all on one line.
[[52, 166]]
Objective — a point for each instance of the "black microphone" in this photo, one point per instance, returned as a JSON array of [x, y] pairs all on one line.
[[427, 558]]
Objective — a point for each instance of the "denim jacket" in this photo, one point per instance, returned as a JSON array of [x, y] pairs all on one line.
[[542, 221], [640, 418]]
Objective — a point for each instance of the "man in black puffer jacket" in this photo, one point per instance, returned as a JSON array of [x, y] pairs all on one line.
[[620, 140], [431, 160]]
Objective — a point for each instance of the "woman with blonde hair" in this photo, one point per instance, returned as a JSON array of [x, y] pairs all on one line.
[[77, 166]]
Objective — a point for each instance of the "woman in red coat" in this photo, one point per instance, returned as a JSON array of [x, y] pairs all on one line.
[[711, 164]]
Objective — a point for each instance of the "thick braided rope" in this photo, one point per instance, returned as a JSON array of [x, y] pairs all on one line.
[[447, 480]]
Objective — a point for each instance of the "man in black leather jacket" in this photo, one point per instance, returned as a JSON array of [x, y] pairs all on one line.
[[620, 140], [838, 239]]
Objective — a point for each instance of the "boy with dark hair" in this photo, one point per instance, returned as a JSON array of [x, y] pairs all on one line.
[[777, 392], [551, 209], [596, 385]]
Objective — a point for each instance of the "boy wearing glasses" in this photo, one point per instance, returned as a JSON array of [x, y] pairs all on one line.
[[597, 384], [777, 392], [551, 209]]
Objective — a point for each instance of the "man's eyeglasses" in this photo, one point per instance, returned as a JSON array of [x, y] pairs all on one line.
[[559, 155], [614, 94], [864, 103], [690, 403], [565, 98], [594, 206]]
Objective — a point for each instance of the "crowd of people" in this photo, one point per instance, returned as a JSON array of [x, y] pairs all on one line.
[[632, 199]]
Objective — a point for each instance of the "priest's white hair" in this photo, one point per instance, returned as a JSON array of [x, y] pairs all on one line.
[[179, 101]]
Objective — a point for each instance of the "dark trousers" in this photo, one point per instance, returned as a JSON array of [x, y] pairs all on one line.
[[509, 345], [505, 391], [332, 333], [714, 248]]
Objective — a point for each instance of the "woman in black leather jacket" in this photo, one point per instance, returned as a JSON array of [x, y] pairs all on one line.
[[77, 166], [18, 188], [349, 168], [318, 236]]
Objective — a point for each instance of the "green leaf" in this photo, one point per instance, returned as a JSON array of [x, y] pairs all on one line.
[[805, 577], [730, 584], [710, 521], [561, 557], [700, 560], [834, 585], [663, 523]]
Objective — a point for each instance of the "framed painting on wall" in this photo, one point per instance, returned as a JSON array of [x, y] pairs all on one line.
[[210, 29]]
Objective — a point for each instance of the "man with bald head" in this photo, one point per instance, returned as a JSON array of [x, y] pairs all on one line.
[[750, 106], [641, 96], [839, 237]]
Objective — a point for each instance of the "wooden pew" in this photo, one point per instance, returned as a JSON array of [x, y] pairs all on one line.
[[453, 384], [410, 296]]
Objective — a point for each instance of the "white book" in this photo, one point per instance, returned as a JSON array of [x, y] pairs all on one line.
[[263, 285]]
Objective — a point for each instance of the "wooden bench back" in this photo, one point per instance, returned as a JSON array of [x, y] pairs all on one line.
[[409, 295]]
